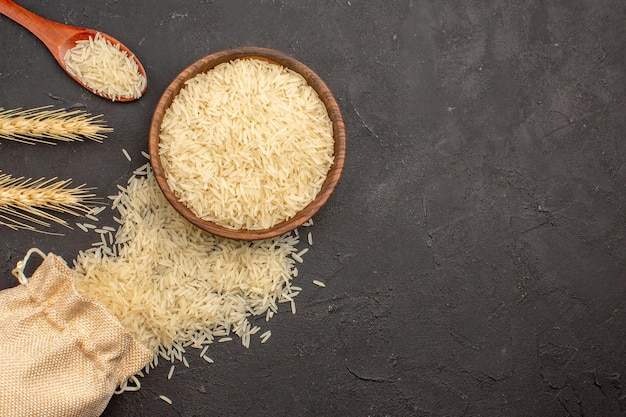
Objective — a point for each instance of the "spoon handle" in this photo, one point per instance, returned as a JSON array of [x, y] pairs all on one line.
[[51, 33]]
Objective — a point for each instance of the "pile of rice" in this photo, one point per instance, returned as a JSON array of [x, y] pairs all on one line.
[[247, 144], [105, 68], [173, 285]]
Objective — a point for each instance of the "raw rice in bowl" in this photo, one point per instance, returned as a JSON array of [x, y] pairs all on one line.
[[247, 143]]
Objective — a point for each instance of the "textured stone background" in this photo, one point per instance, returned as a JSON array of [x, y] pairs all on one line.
[[474, 249]]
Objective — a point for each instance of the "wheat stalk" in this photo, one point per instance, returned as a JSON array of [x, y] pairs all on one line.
[[48, 126], [25, 202]]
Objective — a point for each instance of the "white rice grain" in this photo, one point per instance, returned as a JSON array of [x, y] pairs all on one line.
[[265, 336], [97, 210]]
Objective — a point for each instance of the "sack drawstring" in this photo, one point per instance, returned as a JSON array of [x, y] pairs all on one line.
[[18, 271]]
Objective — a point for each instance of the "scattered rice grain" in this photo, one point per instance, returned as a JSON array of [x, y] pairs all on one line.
[[97, 210], [265, 336], [162, 266], [319, 283]]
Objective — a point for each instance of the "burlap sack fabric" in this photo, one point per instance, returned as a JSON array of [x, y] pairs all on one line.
[[61, 354]]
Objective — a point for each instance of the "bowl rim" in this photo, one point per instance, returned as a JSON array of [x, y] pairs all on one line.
[[271, 55]]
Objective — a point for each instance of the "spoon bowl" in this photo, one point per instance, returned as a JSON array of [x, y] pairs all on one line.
[[60, 38]]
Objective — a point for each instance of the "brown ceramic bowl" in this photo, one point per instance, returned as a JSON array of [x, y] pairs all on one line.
[[204, 65]]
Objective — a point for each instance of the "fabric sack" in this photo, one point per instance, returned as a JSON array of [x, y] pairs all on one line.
[[61, 353]]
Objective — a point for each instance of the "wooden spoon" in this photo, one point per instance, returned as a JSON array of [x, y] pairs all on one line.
[[59, 38]]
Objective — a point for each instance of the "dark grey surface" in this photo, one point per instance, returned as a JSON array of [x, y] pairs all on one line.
[[474, 250]]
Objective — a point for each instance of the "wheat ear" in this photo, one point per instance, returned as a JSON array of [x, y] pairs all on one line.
[[45, 125], [25, 202]]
